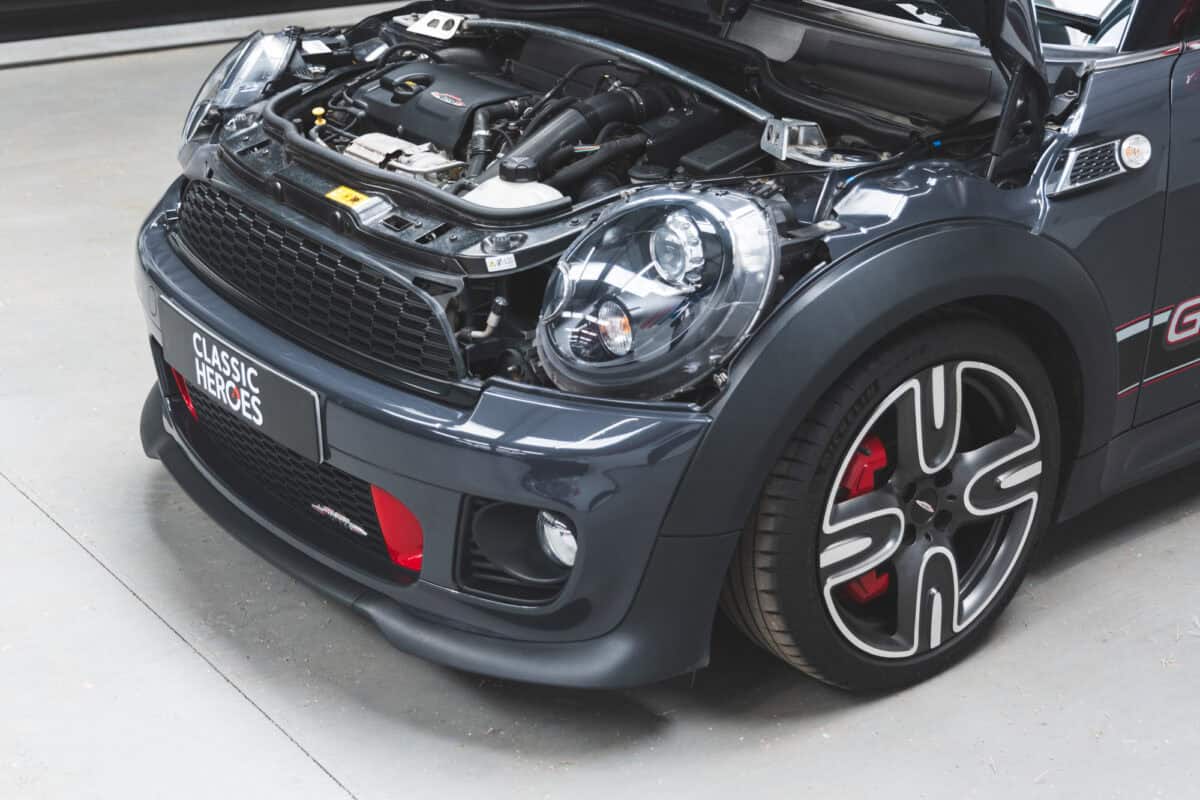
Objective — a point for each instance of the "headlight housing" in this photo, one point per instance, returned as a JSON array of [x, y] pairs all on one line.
[[657, 293], [240, 79]]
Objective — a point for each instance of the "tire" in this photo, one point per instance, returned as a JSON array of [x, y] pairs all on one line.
[[946, 526]]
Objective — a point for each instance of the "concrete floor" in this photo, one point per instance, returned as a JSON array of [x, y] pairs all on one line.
[[145, 653]]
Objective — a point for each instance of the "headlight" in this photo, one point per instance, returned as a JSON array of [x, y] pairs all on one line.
[[676, 247], [654, 296], [240, 79]]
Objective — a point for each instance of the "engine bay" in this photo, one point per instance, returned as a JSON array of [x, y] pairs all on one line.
[[524, 138], [515, 124], [484, 151]]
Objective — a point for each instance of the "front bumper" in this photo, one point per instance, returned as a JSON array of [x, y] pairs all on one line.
[[637, 607]]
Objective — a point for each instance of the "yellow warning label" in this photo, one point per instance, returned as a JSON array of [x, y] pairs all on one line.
[[347, 197]]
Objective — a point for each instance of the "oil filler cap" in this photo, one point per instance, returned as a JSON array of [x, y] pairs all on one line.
[[519, 169]]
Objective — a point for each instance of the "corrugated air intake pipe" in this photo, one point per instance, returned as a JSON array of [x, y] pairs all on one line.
[[584, 120]]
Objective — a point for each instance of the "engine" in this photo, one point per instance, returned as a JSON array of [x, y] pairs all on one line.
[[435, 102], [516, 130]]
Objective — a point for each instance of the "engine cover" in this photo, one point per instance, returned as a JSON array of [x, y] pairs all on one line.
[[428, 102]]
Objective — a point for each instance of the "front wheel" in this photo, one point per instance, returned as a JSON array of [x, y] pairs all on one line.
[[899, 522]]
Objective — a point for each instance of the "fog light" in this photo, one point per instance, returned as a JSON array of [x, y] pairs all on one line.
[[557, 538]]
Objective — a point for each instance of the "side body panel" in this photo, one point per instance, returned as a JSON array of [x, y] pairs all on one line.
[[1084, 260], [1114, 226], [1171, 335]]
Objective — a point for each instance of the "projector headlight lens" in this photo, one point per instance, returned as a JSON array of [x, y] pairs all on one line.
[[676, 247]]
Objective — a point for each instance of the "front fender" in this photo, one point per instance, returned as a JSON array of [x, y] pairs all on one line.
[[852, 305]]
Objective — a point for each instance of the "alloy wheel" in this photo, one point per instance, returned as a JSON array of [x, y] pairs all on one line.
[[932, 509]]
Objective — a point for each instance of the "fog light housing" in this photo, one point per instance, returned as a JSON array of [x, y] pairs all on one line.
[[557, 537]]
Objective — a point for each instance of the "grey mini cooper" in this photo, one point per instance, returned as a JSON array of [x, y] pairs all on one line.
[[535, 332]]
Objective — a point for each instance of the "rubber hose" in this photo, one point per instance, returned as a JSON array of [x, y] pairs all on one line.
[[607, 131], [481, 134], [547, 111], [598, 185], [585, 119], [609, 151], [559, 159]]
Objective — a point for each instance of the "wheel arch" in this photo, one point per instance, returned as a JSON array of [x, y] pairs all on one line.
[[1038, 328], [1024, 282]]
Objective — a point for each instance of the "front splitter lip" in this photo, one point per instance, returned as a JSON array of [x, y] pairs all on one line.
[[649, 645]]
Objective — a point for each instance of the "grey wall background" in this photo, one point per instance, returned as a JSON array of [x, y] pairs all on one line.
[[29, 19]]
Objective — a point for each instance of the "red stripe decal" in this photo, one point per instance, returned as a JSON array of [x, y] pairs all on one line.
[[1142, 318], [1171, 374]]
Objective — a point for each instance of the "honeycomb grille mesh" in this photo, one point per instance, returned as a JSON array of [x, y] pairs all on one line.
[[270, 474], [327, 294], [1095, 163]]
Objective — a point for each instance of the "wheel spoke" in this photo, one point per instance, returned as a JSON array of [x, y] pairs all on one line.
[[859, 534], [1000, 475], [927, 599], [929, 416]]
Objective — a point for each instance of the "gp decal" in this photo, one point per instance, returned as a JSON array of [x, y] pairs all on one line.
[[1185, 323], [1173, 352]]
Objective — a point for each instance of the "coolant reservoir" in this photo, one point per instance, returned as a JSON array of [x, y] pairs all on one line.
[[499, 193]]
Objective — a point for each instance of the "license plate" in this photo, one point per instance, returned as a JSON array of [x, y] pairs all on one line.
[[259, 396]]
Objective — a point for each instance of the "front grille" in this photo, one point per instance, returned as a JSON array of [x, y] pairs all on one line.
[[285, 485], [372, 317]]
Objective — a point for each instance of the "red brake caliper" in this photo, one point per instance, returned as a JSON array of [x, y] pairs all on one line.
[[858, 480]]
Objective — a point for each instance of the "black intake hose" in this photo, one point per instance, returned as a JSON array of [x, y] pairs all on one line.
[[481, 135], [546, 112], [599, 185], [584, 167], [584, 120]]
